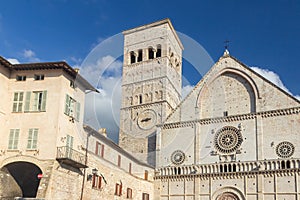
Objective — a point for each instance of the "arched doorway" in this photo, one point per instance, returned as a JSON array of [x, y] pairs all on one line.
[[227, 196], [25, 175]]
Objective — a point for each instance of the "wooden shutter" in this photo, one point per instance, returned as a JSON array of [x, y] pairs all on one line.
[[44, 100], [16, 139], [27, 102], [11, 139], [34, 138], [77, 114], [67, 105], [102, 150], [30, 139]]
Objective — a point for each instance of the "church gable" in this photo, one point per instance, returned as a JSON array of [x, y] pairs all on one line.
[[231, 88]]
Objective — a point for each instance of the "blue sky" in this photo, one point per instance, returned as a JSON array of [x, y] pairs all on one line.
[[264, 34]]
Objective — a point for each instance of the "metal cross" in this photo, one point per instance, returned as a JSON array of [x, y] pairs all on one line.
[[226, 42]]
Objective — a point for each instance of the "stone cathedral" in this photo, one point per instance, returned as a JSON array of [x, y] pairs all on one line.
[[236, 136]]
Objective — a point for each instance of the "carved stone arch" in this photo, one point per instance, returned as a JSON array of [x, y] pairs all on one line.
[[208, 91], [228, 193]]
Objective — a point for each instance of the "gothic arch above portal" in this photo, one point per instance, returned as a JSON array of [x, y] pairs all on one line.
[[230, 91]]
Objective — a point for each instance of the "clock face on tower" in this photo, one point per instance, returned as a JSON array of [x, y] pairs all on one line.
[[147, 119]]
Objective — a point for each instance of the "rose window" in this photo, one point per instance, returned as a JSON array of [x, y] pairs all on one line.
[[228, 139], [285, 149], [177, 157]]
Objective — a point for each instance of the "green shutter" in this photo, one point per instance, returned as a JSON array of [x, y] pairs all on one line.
[[11, 139], [77, 116], [35, 101], [67, 104], [16, 139], [44, 100], [34, 138], [27, 102], [29, 141]]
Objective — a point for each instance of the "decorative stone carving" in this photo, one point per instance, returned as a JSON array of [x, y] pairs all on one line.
[[227, 196], [285, 149], [177, 157], [227, 140]]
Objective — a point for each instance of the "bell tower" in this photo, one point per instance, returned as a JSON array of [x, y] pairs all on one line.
[[151, 85]]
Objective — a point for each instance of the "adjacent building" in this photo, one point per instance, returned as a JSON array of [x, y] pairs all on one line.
[[43, 147]]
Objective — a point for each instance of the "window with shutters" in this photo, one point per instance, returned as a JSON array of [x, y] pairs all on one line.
[[99, 149], [35, 101], [13, 138], [119, 161], [145, 196], [39, 77], [21, 78], [129, 193], [118, 190], [32, 138], [72, 108], [96, 181], [18, 101]]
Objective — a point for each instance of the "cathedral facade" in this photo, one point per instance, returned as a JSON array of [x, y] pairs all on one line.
[[235, 136]]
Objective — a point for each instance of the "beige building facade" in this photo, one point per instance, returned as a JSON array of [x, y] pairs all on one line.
[[45, 150]]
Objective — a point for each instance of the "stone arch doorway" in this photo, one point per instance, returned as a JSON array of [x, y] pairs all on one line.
[[228, 193], [25, 174], [227, 196]]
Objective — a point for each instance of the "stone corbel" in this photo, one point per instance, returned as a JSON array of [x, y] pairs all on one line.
[[2, 152]]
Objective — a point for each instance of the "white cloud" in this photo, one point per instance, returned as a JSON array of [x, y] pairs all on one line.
[[27, 53], [103, 110], [13, 60], [30, 55], [273, 77]]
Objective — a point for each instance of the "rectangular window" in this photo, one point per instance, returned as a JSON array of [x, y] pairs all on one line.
[[72, 108], [130, 166], [35, 101], [140, 56], [20, 78], [119, 161], [32, 138], [39, 77], [99, 149], [18, 101], [145, 196], [129, 193], [118, 190], [13, 138], [96, 181], [146, 175]]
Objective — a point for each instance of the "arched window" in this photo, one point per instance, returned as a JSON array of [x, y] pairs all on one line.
[[140, 56], [288, 164], [282, 165], [225, 168], [132, 57], [234, 168], [158, 53], [229, 168], [141, 99], [179, 171], [150, 53], [221, 168]]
